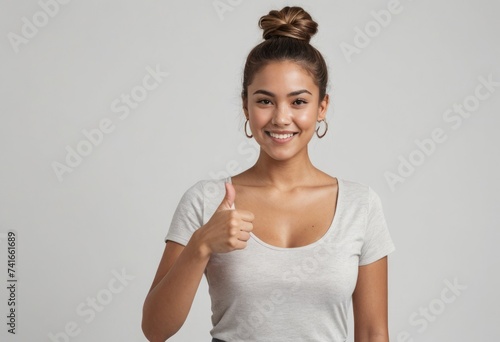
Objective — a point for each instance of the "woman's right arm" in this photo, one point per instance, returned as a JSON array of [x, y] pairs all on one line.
[[181, 268], [173, 290]]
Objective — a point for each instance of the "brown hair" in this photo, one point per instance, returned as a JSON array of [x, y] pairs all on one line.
[[287, 34]]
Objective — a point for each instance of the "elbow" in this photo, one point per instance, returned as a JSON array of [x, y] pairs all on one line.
[[150, 333], [153, 330], [154, 334]]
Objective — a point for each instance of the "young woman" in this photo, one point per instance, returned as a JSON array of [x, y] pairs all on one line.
[[283, 245]]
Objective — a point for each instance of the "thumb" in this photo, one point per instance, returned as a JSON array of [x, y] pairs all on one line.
[[228, 201]]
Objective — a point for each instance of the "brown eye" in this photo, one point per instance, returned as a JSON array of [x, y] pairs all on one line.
[[299, 102], [264, 101]]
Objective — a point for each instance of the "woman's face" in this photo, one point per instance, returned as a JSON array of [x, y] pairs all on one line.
[[283, 97]]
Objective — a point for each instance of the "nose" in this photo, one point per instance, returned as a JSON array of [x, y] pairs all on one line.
[[281, 117]]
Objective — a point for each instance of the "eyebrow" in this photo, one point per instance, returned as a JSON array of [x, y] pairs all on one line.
[[293, 93]]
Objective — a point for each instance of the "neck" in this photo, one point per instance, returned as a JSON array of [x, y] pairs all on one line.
[[284, 174]]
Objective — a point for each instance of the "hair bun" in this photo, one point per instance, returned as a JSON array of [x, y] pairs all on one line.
[[293, 22]]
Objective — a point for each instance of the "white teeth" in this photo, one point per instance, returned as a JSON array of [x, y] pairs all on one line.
[[280, 136]]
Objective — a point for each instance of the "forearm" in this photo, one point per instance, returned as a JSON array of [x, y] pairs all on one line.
[[168, 303]]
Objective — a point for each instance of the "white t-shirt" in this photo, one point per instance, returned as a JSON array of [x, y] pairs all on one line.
[[267, 293]]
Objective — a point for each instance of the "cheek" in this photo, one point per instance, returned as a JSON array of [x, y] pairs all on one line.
[[260, 116], [305, 119]]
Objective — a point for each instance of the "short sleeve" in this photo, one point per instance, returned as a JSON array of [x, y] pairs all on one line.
[[188, 216], [377, 240]]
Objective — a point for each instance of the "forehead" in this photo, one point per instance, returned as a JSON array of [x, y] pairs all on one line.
[[283, 77]]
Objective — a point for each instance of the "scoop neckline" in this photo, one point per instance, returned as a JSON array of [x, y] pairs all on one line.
[[333, 224]]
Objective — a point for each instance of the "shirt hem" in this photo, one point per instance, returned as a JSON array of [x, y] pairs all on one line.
[[176, 238], [386, 251]]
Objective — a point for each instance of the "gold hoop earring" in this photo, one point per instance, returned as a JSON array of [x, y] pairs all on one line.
[[326, 129], [248, 136]]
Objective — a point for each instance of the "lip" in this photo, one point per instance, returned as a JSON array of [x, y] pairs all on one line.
[[281, 141], [282, 132]]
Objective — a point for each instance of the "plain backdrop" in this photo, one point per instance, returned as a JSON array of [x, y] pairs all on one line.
[[89, 240]]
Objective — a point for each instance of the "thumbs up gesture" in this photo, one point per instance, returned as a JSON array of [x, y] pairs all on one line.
[[228, 229], [228, 201]]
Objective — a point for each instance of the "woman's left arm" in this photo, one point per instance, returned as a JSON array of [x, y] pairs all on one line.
[[369, 301]]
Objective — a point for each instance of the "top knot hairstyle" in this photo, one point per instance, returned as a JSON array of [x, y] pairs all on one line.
[[287, 34], [291, 22]]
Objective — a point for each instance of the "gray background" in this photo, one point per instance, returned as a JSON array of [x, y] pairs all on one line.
[[111, 213]]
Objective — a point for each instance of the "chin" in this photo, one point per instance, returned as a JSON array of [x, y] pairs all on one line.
[[280, 155]]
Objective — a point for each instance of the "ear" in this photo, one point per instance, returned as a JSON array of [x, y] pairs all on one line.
[[245, 108], [323, 107]]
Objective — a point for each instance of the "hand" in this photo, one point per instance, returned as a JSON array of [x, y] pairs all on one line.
[[228, 229]]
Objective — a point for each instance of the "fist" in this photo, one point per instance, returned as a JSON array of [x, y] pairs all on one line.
[[228, 229]]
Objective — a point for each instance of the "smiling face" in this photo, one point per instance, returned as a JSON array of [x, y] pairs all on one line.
[[283, 98]]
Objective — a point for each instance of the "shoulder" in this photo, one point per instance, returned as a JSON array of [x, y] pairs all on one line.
[[211, 187], [206, 190], [358, 192], [354, 190]]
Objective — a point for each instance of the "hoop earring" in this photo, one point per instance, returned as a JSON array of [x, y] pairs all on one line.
[[326, 129], [248, 136]]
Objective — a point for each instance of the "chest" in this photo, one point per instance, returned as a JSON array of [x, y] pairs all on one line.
[[322, 272], [289, 220]]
